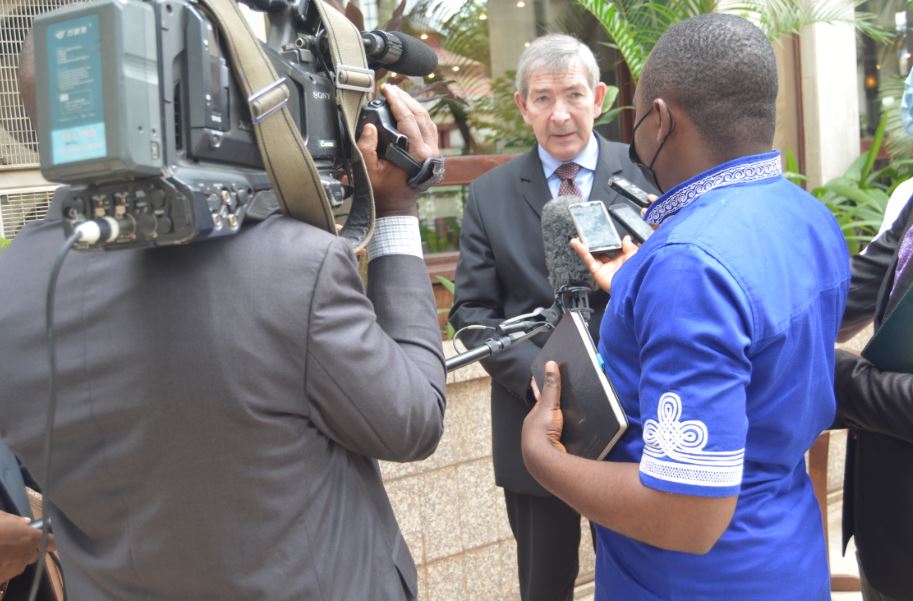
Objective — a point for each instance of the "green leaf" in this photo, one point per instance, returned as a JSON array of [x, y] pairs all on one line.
[[447, 284], [791, 170], [610, 95], [855, 194], [872, 154], [609, 116]]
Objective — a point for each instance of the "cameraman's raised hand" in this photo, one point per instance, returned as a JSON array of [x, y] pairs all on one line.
[[391, 194]]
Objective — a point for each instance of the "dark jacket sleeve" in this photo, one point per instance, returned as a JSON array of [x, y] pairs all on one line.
[[874, 400], [478, 300], [870, 269], [867, 397]]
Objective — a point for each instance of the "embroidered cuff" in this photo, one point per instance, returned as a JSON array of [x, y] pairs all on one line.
[[395, 236], [674, 451], [691, 475]]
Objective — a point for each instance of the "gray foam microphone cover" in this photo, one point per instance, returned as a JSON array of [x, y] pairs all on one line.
[[562, 263]]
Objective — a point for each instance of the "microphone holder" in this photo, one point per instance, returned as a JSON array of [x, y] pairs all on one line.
[[523, 327], [574, 298], [493, 346]]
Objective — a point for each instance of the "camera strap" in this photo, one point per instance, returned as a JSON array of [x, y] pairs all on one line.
[[354, 83], [286, 158]]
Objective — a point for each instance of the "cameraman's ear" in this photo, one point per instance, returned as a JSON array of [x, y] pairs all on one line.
[[27, 76], [367, 144]]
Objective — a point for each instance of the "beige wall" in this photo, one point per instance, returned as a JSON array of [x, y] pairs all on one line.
[[788, 132], [509, 28], [452, 514], [830, 100]]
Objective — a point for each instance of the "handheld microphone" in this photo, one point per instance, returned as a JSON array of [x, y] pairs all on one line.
[[399, 52], [567, 274]]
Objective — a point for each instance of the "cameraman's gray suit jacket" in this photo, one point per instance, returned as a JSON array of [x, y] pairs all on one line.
[[222, 407]]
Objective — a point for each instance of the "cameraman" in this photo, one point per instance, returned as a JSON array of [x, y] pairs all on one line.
[[222, 405]]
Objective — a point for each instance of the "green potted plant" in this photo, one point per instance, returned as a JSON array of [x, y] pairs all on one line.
[[859, 196]]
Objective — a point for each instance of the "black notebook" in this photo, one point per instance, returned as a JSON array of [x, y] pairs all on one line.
[[891, 348], [593, 417]]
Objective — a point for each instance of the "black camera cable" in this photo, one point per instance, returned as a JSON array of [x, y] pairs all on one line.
[[106, 229]]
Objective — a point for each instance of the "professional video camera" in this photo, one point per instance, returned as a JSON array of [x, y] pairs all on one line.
[[139, 112]]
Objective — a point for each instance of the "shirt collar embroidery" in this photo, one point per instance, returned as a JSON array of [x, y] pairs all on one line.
[[744, 170]]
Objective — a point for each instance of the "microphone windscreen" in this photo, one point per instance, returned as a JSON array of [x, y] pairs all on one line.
[[564, 266], [417, 59]]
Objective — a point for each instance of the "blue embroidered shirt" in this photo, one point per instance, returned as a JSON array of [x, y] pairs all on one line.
[[719, 339]]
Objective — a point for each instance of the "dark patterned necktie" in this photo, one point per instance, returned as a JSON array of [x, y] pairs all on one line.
[[566, 172]]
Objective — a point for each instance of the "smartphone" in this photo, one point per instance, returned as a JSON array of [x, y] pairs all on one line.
[[631, 221], [595, 228], [629, 191]]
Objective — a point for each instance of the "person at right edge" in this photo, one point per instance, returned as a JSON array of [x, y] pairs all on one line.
[[877, 406], [723, 325]]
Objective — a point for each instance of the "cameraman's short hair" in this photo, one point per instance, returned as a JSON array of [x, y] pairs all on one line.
[[721, 70], [555, 53]]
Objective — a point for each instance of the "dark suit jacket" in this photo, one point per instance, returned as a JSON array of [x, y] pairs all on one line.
[[878, 405], [221, 410], [501, 273]]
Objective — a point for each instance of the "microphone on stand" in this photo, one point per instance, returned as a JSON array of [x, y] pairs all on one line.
[[567, 274]]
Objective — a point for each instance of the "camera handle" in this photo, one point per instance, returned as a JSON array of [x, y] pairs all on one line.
[[290, 166]]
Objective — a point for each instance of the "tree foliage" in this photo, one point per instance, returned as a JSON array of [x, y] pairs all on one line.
[[859, 196], [634, 26]]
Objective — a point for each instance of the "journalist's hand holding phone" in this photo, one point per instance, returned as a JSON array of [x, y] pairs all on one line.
[[595, 229], [603, 270]]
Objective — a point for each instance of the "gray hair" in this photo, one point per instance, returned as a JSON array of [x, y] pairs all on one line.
[[554, 53]]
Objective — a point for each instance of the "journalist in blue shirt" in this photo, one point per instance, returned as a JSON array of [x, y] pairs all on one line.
[[719, 339]]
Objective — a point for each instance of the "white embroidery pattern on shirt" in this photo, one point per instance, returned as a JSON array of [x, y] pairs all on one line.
[[742, 173], [674, 450]]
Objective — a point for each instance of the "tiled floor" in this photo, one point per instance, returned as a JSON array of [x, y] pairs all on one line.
[[839, 564]]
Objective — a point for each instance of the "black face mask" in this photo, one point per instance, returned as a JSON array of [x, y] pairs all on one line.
[[647, 170]]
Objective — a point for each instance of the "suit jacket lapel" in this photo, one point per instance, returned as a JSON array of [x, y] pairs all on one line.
[[884, 295], [601, 190], [533, 185]]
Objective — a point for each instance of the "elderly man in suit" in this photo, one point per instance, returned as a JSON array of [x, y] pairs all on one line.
[[501, 273], [222, 405], [878, 407]]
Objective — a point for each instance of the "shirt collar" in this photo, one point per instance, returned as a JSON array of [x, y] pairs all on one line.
[[587, 158], [744, 170]]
